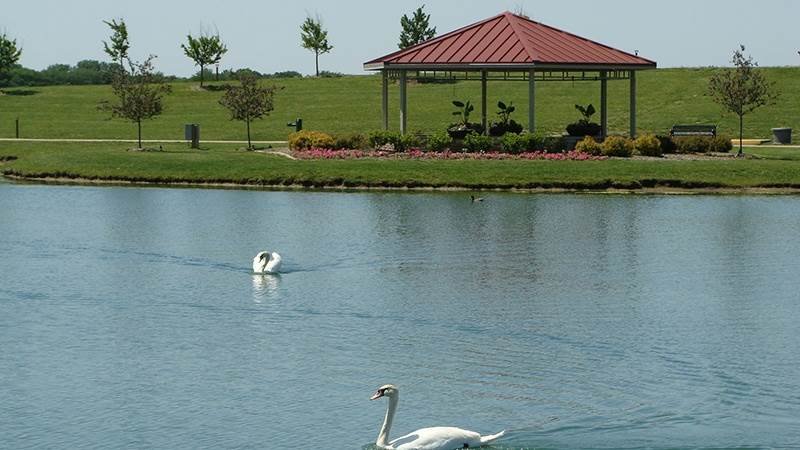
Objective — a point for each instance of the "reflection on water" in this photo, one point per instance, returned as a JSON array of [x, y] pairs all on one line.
[[265, 287], [572, 321]]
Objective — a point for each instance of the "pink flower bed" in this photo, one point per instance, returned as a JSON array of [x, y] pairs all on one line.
[[321, 153]]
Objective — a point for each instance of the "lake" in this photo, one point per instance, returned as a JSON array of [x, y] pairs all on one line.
[[129, 318]]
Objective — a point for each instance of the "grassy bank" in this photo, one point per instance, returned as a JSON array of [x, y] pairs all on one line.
[[352, 104], [226, 164]]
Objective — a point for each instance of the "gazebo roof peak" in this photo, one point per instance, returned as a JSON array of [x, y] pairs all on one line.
[[510, 40]]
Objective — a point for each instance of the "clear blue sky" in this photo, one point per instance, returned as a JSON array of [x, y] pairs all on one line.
[[264, 35]]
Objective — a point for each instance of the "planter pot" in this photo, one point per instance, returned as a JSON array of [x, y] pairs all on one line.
[[781, 135]]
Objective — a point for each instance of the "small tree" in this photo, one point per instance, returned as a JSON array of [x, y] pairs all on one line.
[[248, 101], [139, 91], [118, 48], [415, 29], [204, 50], [741, 90], [9, 52], [314, 38]]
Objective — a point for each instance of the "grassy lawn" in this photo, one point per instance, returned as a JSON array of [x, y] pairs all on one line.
[[227, 164], [352, 104]]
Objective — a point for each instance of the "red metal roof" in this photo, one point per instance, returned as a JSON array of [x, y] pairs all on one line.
[[509, 39]]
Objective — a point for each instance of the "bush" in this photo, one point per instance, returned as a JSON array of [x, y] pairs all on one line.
[[474, 142], [589, 146], [513, 143], [703, 144], [553, 144], [693, 144], [377, 139], [439, 141], [648, 145], [329, 74], [618, 146], [408, 141], [399, 142], [520, 143], [667, 144], [305, 139], [352, 141], [721, 144]]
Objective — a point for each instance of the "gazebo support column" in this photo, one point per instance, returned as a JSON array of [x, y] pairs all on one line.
[[385, 98], [531, 102], [633, 104], [403, 115], [483, 103], [604, 103]]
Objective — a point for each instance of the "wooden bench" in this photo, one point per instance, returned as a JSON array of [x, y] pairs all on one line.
[[693, 130]]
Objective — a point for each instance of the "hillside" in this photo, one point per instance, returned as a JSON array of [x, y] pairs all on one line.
[[352, 104]]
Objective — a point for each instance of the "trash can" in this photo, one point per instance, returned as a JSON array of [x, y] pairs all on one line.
[[191, 132], [782, 136]]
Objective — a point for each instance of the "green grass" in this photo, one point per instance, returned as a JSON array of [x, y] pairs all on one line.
[[227, 164], [352, 104]]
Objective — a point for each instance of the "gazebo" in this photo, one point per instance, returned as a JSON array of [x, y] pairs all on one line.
[[510, 47]]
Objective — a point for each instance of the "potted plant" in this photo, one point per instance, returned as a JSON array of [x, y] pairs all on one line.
[[584, 126], [506, 123], [460, 129]]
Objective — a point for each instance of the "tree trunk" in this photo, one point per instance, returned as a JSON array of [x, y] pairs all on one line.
[[741, 133], [317, 62], [249, 145], [217, 77], [201, 76], [139, 124]]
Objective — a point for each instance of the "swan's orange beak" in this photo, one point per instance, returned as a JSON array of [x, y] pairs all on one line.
[[378, 394]]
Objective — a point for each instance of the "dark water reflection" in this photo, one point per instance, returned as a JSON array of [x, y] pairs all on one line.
[[129, 318]]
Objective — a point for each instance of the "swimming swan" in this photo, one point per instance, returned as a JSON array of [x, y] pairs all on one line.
[[267, 262], [434, 438]]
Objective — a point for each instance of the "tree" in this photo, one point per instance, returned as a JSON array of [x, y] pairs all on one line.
[[118, 49], [204, 50], [315, 38], [415, 29], [139, 92], [248, 101], [9, 53], [741, 90]]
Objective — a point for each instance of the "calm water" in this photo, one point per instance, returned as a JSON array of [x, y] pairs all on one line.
[[129, 318]]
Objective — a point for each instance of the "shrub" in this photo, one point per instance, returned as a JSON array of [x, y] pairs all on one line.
[[329, 74], [667, 144], [408, 141], [721, 144], [306, 139], [648, 145], [513, 143], [439, 141], [589, 146], [618, 146], [379, 139], [693, 144], [397, 141], [352, 141], [553, 144], [474, 142]]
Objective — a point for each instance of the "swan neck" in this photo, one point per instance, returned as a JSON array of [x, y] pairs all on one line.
[[383, 436]]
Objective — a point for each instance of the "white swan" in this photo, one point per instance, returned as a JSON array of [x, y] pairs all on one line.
[[267, 262], [434, 438]]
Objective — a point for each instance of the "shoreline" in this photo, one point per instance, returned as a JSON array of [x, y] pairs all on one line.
[[618, 189]]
